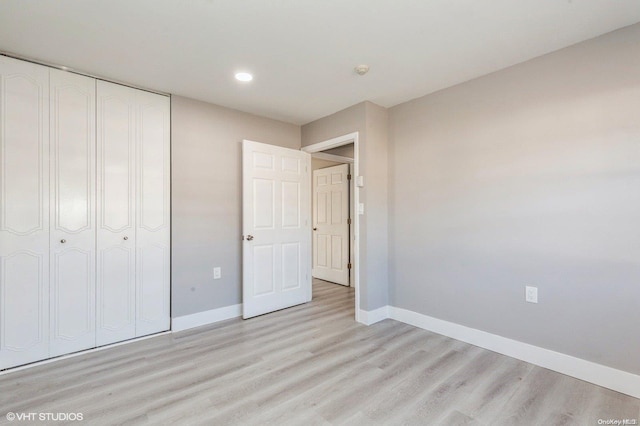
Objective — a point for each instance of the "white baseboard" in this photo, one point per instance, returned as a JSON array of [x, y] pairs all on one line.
[[372, 317], [207, 317], [611, 378]]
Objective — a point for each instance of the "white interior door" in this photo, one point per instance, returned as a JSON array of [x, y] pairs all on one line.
[[24, 212], [73, 237], [331, 224], [116, 201], [276, 214]]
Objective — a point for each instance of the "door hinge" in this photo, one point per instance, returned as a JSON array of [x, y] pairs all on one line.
[[349, 221], [349, 176], [348, 266]]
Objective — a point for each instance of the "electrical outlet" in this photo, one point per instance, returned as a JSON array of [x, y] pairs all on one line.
[[217, 273], [531, 294]]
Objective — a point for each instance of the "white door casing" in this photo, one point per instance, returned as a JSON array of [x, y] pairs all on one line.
[[72, 195], [24, 212], [330, 224], [355, 197], [116, 201], [276, 228]]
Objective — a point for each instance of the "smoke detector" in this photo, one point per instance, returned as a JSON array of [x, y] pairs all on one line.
[[362, 69]]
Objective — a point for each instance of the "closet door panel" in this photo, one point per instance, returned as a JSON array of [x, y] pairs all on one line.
[[24, 212], [72, 301], [73, 239], [117, 319], [153, 298], [116, 213], [153, 233]]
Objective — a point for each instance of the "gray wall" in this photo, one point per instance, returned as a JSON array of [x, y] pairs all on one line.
[[349, 120], [376, 218], [206, 199], [370, 121], [528, 176]]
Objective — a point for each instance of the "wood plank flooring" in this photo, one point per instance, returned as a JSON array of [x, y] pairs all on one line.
[[307, 365]]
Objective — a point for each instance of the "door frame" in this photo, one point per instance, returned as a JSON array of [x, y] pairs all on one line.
[[334, 143]]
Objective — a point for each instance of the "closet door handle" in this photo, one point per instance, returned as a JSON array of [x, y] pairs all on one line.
[[249, 237], [63, 241], [125, 238]]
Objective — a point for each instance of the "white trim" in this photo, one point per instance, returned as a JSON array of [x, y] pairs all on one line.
[[601, 375], [332, 157], [207, 317], [75, 354], [334, 143], [372, 317], [352, 227]]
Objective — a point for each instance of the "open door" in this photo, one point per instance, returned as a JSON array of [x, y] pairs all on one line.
[[276, 258], [331, 224]]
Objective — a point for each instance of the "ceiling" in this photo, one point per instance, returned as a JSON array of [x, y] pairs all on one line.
[[302, 52]]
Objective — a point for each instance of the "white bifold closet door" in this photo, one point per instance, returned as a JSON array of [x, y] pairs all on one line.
[[84, 213], [72, 220], [153, 234], [133, 213], [116, 245], [24, 212]]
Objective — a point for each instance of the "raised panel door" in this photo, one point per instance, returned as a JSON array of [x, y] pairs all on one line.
[[330, 224], [152, 213], [73, 239], [24, 212], [276, 203], [116, 204]]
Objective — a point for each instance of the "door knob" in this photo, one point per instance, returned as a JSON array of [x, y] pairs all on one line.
[[315, 229], [63, 241], [125, 238], [249, 237]]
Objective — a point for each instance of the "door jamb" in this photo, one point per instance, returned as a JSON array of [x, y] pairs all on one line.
[[331, 157], [334, 143]]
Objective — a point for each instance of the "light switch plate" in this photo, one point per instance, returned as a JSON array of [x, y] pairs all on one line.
[[531, 294], [360, 208], [217, 273], [360, 181]]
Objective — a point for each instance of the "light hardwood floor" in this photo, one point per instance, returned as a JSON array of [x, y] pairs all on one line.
[[308, 365]]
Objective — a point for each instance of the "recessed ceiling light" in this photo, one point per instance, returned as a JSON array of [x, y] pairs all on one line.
[[244, 76]]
